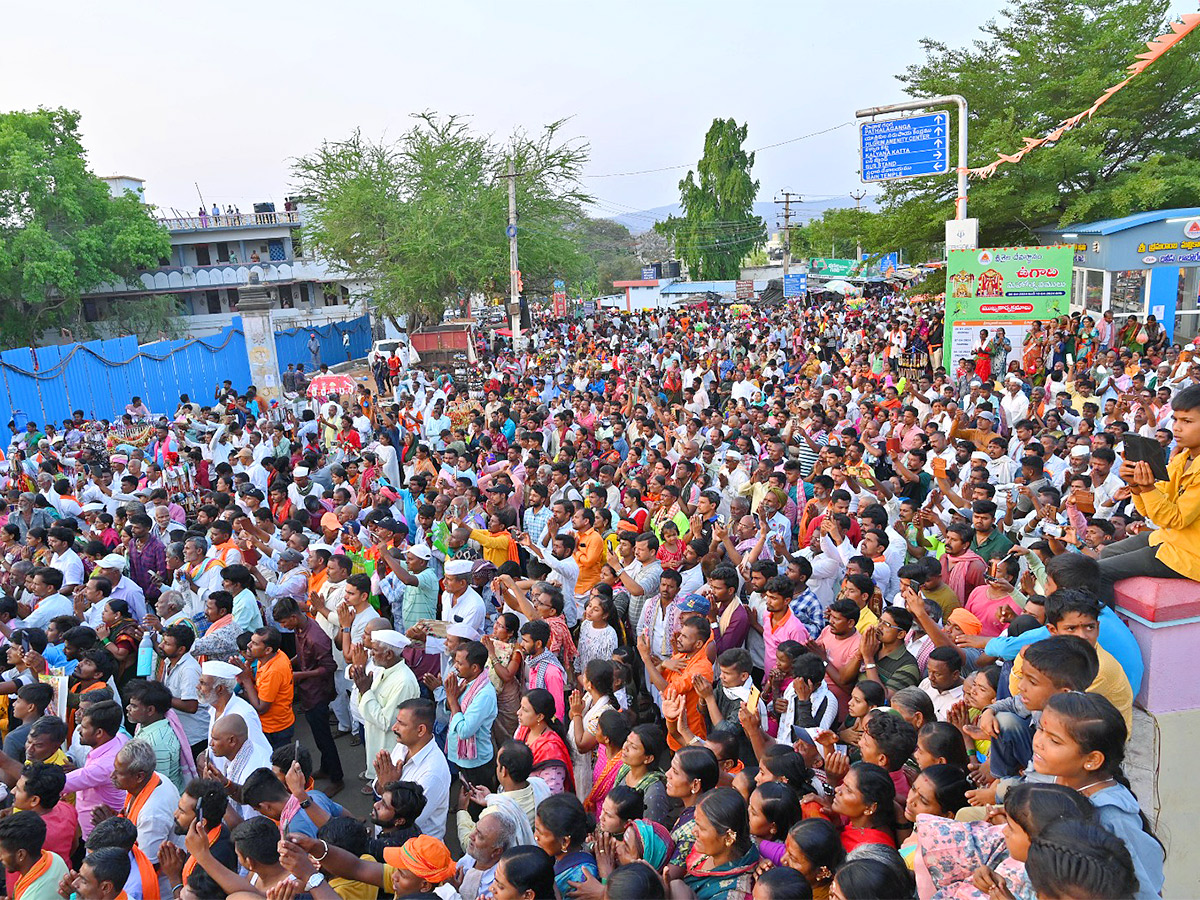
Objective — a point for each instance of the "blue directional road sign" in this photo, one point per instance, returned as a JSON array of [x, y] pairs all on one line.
[[795, 285], [905, 148]]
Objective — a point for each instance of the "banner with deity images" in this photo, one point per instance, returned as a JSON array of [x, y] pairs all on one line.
[[1006, 288]]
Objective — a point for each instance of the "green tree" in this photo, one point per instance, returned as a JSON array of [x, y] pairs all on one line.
[[837, 233], [718, 228], [611, 250], [423, 218], [62, 233], [1035, 66], [152, 318]]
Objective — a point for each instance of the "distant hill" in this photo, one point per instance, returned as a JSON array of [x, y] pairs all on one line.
[[644, 220]]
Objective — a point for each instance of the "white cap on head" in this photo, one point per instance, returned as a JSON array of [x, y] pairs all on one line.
[[733, 454], [1079, 451], [300, 471], [460, 567], [420, 551], [215, 668], [463, 630], [113, 561], [389, 638]]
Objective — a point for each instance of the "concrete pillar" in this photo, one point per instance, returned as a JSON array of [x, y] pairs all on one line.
[[1164, 616], [255, 304]]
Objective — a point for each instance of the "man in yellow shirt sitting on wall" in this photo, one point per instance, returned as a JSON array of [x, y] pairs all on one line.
[[1172, 549]]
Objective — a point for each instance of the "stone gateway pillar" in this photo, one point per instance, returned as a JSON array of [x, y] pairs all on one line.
[[255, 305]]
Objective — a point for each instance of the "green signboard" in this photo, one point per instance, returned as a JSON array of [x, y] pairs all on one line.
[[1005, 288], [839, 267]]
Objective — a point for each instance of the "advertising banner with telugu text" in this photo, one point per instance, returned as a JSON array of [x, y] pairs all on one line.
[[1002, 287]]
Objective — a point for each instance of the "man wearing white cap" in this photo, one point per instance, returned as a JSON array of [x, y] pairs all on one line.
[[301, 487], [217, 682], [253, 469], [382, 692], [732, 476], [112, 567], [1014, 404], [461, 603], [411, 588]]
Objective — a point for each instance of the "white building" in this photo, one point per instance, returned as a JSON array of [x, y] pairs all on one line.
[[212, 257]]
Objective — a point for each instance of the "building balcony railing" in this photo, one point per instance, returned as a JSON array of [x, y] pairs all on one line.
[[190, 278], [240, 220]]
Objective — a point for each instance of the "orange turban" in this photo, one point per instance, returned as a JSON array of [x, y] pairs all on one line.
[[965, 620], [424, 856]]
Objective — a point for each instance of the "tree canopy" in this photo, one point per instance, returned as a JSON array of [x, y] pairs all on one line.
[[837, 233], [613, 253], [62, 233], [718, 228], [1031, 68], [423, 218]]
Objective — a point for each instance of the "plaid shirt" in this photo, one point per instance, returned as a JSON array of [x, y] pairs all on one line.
[[807, 608], [535, 522]]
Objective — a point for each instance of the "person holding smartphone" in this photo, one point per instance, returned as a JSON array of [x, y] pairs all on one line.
[[1173, 549]]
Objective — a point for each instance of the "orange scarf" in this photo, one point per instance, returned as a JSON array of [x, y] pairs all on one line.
[[40, 868], [71, 710], [316, 581], [148, 875], [133, 805], [213, 834]]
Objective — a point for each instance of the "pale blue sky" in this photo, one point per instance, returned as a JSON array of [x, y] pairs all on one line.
[[225, 93]]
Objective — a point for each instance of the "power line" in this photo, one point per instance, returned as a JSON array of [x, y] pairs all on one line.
[[802, 137]]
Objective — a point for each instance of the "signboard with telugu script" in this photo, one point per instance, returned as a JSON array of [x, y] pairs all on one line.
[[1003, 287], [905, 148]]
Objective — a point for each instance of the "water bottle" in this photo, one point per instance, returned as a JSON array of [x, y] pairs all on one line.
[[145, 657]]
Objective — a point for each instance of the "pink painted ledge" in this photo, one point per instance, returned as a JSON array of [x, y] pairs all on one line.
[[1159, 600]]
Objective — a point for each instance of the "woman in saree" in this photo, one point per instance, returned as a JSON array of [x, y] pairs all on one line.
[[545, 737], [1087, 342], [119, 635], [998, 348], [1033, 350], [724, 857], [504, 669], [1127, 337], [983, 357], [643, 759], [612, 729]]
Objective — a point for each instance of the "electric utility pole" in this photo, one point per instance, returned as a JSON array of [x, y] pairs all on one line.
[[514, 273], [858, 222], [787, 228]]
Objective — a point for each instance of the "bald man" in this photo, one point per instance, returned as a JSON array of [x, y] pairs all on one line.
[[231, 743]]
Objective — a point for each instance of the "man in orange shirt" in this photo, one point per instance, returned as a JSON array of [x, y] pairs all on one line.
[[270, 690], [589, 553], [679, 672]]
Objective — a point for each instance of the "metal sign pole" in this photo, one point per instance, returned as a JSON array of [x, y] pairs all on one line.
[[960, 211]]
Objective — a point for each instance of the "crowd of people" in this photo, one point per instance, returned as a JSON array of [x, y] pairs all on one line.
[[684, 604]]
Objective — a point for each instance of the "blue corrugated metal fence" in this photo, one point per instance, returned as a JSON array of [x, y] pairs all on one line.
[[291, 346], [100, 377]]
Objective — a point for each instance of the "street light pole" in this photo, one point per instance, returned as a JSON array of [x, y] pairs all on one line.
[[857, 223], [514, 275]]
